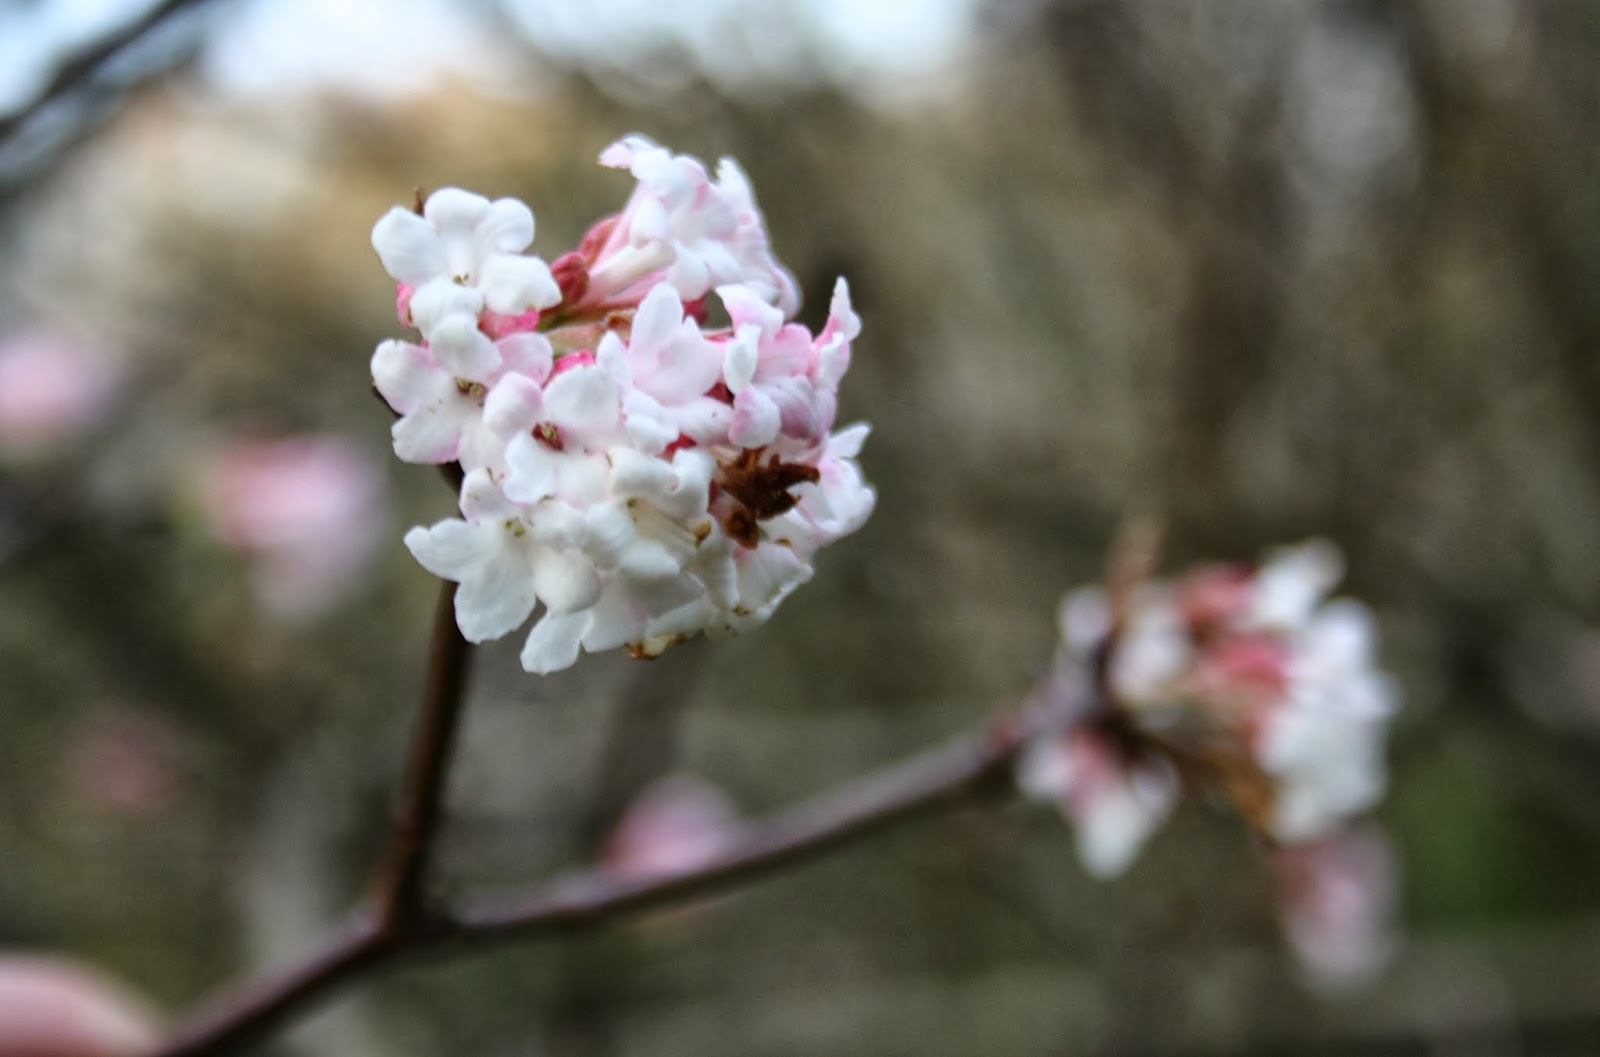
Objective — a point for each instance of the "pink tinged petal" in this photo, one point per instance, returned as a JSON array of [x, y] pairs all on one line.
[[799, 413], [689, 274], [1118, 818], [528, 354], [650, 426], [619, 155], [846, 444], [583, 401], [455, 214], [787, 352], [54, 1008], [507, 227], [611, 356], [431, 434], [647, 222], [553, 643], [740, 358], [766, 575], [406, 375], [748, 308], [704, 421], [408, 246], [535, 470], [833, 360], [1084, 620], [462, 349], [512, 284], [686, 367], [483, 501], [566, 581], [451, 549], [496, 599], [514, 406], [756, 419], [435, 301], [1337, 904], [657, 321], [842, 318]]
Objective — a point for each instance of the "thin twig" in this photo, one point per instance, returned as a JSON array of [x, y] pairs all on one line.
[[399, 914], [964, 771], [956, 773], [400, 889], [257, 1011]]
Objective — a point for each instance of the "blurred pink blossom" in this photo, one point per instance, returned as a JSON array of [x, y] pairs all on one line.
[[124, 761], [1114, 805], [308, 511], [52, 388], [1337, 900], [52, 1008], [676, 825]]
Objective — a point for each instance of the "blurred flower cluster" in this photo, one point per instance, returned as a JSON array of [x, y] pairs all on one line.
[[641, 474], [1241, 679]]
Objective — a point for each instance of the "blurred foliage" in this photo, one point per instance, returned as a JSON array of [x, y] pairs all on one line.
[[1259, 269]]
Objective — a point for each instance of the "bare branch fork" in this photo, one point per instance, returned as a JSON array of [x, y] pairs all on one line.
[[401, 923]]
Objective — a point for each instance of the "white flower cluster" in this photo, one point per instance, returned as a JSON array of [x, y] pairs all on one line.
[[641, 476], [1245, 676]]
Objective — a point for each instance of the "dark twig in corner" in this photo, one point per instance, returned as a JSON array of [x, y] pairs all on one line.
[[80, 68]]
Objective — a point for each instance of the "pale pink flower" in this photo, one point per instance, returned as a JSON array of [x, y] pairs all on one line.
[[507, 558], [1323, 742], [784, 382], [1113, 803], [463, 240], [1251, 678], [681, 228], [54, 1008], [126, 762], [1337, 901], [308, 512], [676, 825], [442, 415], [52, 388], [640, 478]]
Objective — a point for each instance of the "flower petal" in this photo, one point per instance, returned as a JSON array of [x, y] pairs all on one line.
[[583, 401], [513, 284], [408, 246], [553, 643], [565, 580]]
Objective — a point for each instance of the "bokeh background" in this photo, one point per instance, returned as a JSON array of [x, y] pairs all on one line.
[[1258, 269]]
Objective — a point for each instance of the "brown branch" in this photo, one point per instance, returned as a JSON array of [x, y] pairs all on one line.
[[963, 771], [257, 1011], [400, 914], [399, 891], [954, 774]]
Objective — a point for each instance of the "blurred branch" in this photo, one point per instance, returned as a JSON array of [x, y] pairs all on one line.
[[967, 770], [80, 68]]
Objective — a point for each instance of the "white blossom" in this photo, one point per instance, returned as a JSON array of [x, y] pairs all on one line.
[[631, 476], [1249, 676]]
